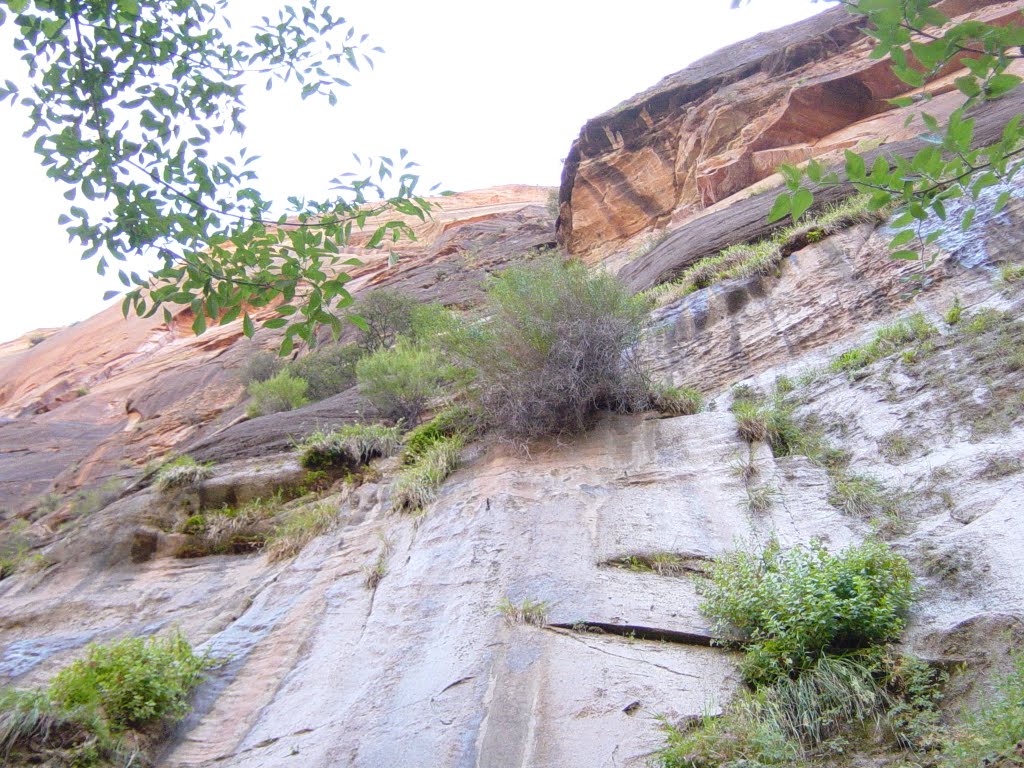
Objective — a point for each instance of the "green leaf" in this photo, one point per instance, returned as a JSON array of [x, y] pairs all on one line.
[[802, 200], [968, 218], [783, 205], [1000, 85], [247, 326], [17, 6], [855, 168], [968, 85], [905, 255], [902, 238]]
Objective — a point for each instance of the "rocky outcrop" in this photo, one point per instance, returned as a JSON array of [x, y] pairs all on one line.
[[98, 400], [424, 663], [726, 122]]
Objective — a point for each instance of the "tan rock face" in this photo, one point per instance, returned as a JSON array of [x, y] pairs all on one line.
[[99, 399], [726, 122]]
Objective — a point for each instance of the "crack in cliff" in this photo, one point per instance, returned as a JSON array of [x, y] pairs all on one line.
[[639, 632]]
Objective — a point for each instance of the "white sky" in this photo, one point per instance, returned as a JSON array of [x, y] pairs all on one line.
[[480, 93]]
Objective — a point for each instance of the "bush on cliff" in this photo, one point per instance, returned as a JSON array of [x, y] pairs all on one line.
[[400, 381], [284, 392], [556, 347]]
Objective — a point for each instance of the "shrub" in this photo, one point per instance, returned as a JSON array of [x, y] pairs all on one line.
[[789, 608], [350, 446], [400, 381], [676, 401], [386, 316], [15, 545], [30, 722], [556, 347], [133, 681], [416, 485], [183, 472], [327, 370], [260, 366], [229, 531], [283, 392]]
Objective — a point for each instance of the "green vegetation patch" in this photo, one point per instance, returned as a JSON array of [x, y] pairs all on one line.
[[415, 485], [230, 530], [764, 257], [283, 392], [455, 420], [676, 401], [181, 473], [887, 341], [348, 447], [98, 710], [790, 608], [327, 370]]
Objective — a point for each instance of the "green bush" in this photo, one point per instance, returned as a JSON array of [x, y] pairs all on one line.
[[386, 315], [327, 370], [789, 608], [283, 392], [400, 381], [260, 366], [132, 682], [555, 347], [349, 447]]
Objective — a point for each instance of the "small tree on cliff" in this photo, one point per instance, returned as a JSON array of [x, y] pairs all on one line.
[[125, 99], [921, 42]]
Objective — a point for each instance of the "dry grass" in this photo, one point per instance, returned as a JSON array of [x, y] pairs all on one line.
[[300, 527]]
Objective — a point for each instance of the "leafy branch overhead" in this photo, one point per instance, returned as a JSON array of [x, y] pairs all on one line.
[[921, 44], [129, 101]]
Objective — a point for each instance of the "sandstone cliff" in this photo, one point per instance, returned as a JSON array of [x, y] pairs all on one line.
[[325, 667]]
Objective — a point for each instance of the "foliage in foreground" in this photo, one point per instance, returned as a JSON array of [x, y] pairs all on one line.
[[790, 608], [118, 688], [555, 347]]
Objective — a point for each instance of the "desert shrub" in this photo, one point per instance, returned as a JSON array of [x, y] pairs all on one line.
[[416, 485], [181, 473], [451, 421], [555, 348], [676, 401], [993, 735], [386, 315], [400, 381], [790, 608], [133, 681], [300, 527], [283, 392], [349, 447], [327, 370], [260, 366], [15, 545]]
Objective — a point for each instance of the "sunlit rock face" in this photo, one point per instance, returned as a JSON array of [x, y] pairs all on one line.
[[724, 124], [425, 664]]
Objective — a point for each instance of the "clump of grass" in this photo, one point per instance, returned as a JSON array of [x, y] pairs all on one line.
[[416, 485], [1000, 465], [764, 257], [455, 420], [952, 317], [676, 401], [349, 447], [374, 574], [180, 474], [529, 611], [760, 499], [1011, 273], [744, 466], [896, 446], [661, 563], [229, 530], [300, 527], [888, 340], [15, 546], [861, 495], [773, 420]]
